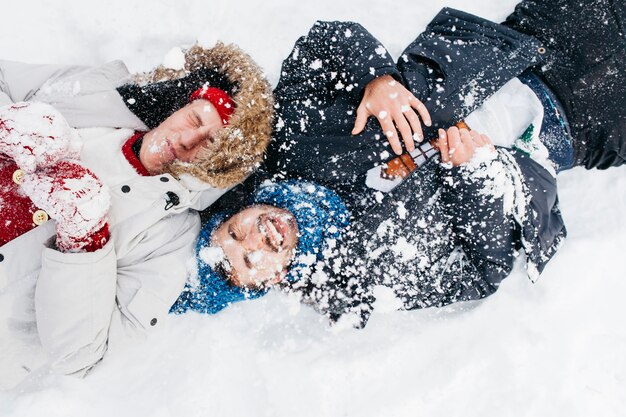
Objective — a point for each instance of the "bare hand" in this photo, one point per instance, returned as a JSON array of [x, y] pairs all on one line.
[[457, 146], [395, 107]]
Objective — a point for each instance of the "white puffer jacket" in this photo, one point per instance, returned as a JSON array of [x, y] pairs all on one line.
[[61, 310]]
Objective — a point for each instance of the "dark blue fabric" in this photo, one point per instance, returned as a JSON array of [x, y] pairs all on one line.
[[554, 132], [460, 60], [585, 66], [458, 56]]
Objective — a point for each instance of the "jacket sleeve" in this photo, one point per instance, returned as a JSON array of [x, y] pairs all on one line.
[[5, 98], [334, 61], [491, 210], [480, 203], [87, 302], [86, 96], [500, 207], [20, 81], [443, 235], [541, 226], [460, 60]]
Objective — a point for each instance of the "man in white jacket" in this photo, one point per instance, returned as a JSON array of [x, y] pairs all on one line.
[[158, 151]]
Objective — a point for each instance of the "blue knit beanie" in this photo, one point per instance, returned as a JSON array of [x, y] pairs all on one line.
[[320, 215]]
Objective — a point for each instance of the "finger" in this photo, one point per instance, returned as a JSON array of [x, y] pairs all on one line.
[[479, 141], [414, 121], [486, 139], [421, 109], [466, 138], [487, 142], [394, 141], [475, 136], [405, 130], [469, 146], [482, 141], [389, 130], [454, 139], [442, 144], [361, 119]]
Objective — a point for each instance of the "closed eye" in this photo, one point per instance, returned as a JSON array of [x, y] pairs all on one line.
[[235, 232], [247, 261], [196, 119]]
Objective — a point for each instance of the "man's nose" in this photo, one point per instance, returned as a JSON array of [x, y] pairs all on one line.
[[254, 240], [191, 138]]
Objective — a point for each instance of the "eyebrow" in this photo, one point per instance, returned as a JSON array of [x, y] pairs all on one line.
[[246, 260], [233, 229]]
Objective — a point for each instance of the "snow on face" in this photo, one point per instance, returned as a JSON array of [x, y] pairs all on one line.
[[259, 243], [180, 137], [255, 257]]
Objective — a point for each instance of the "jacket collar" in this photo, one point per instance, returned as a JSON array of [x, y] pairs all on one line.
[[132, 157]]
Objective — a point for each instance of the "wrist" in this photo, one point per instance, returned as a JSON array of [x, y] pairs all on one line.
[[374, 74]]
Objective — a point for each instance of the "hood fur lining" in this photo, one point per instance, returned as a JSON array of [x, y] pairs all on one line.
[[242, 143]]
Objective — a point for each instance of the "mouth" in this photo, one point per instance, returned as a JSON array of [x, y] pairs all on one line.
[[169, 151], [275, 230]]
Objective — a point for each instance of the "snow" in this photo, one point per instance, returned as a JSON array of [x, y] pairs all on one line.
[[77, 199], [174, 59], [212, 255], [36, 135], [404, 250], [557, 347]]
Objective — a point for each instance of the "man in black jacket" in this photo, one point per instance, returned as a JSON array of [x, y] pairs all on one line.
[[442, 234]]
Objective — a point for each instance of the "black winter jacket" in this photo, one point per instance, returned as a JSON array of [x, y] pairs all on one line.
[[443, 235]]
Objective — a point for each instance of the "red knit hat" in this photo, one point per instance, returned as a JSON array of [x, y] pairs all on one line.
[[218, 98]]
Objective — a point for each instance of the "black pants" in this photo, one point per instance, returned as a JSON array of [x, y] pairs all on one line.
[[586, 67]]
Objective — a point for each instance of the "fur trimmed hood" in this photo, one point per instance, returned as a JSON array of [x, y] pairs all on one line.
[[241, 144]]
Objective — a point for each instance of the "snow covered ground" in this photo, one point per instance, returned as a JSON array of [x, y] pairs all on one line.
[[555, 348]]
